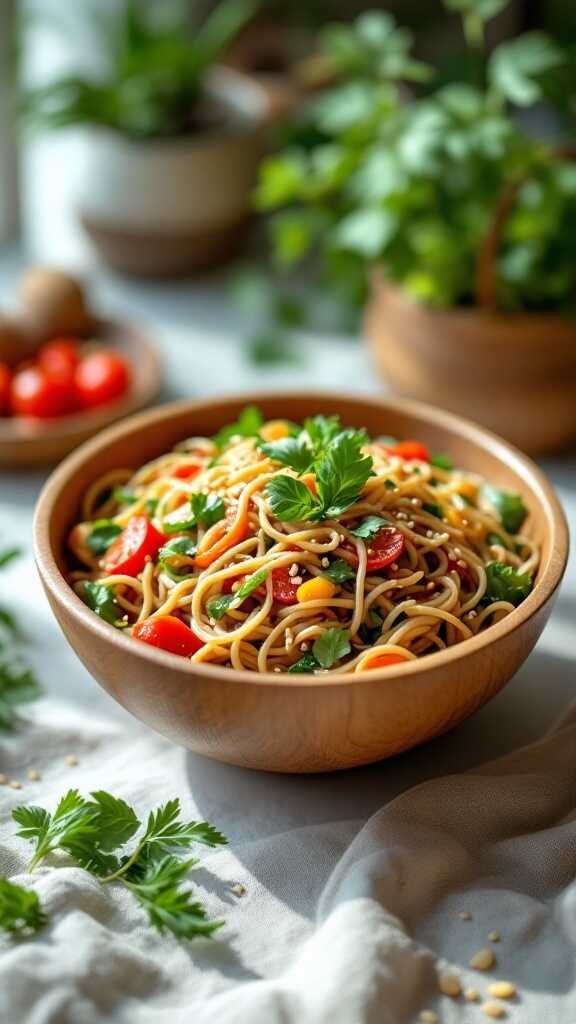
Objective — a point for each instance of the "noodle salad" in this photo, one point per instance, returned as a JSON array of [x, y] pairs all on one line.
[[300, 549]]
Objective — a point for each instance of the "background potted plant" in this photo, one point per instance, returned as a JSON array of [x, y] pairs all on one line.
[[457, 219], [173, 141]]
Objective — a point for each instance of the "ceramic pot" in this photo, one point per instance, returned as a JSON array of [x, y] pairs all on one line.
[[168, 206]]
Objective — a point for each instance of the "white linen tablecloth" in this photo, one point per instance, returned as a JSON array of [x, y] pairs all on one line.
[[353, 881]]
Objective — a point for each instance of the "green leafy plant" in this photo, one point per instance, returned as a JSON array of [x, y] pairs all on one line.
[[411, 182], [18, 684], [155, 67], [93, 832], [327, 649]]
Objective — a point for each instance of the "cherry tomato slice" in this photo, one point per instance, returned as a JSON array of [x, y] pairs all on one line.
[[185, 472], [384, 660], [101, 377], [283, 588], [410, 450], [383, 549], [127, 554], [168, 633], [59, 359], [36, 394], [5, 383]]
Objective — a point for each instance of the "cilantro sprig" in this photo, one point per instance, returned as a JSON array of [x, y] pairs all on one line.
[[94, 833], [205, 510], [327, 649], [100, 598], [341, 471], [218, 606]]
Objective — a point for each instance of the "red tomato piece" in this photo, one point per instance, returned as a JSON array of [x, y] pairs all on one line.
[[410, 450], [283, 588], [170, 634], [463, 571], [5, 384], [185, 472], [101, 377], [59, 358], [383, 549], [36, 394], [384, 660], [127, 554]]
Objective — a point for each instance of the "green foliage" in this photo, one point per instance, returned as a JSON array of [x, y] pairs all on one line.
[[247, 425], [94, 833], [413, 185], [20, 911], [18, 684], [218, 606], [205, 510], [154, 74], [369, 527], [340, 571], [100, 598], [504, 583], [332, 645], [101, 535], [176, 556], [509, 507]]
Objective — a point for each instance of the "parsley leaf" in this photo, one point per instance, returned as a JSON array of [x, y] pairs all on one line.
[[433, 509], [248, 424], [506, 584], [510, 508], [390, 485], [73, 816], [167, 832], [175, 555], [102, 534], [441, 461], [369, 632], [495, 538], [369, 527], [321, 430], [17, 686], [307, 663], [290, 500], [206, 509], [340, 571], [290, 451], [169, 907], [20, 910], [218, 606], [332, 645], [342, 473], [100, 598]]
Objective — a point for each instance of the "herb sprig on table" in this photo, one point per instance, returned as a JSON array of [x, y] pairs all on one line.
[[18, 684], [94, 833]]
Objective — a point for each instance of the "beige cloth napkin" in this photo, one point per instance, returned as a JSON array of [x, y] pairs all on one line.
[[341, 923]]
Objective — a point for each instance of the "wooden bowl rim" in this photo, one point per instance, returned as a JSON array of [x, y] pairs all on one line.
[[146, 375], [547, 580]]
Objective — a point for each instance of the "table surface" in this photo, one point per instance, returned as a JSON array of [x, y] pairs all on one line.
[[196, 331]]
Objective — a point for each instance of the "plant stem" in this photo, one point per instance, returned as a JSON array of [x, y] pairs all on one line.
[[126, 866]]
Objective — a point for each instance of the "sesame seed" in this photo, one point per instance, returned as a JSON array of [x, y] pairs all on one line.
[[212, 622], [415, 501], [494, 937], [430, 534], [410, 524], [325, 563], [238, 889], [370, 551], [71, 760], [394, 567], [465, 915], [472, 614], [34, 775], [304, 646], [297, 580], [431, 585], [502, 989], [461, 563], [449, 985], [342, 538], [472, 995], [457, 552], [492, 1009], [14, 784], [483, 960], [293, 570], [277, 668], [428, 1017]]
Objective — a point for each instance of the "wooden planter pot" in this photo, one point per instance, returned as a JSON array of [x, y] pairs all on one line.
[[514, 373], [165, 207]]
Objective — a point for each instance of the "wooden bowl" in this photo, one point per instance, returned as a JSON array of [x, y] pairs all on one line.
[[28, 442], [513, 372], [299, 723]]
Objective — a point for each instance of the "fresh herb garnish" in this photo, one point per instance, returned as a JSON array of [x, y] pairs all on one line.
[[100, 598], [290, 500], [94, 833], [248, 424], [510, 508], [290, 451], [20, 910], [433, 509], [150, 506], [218, 606], [17, 686], [321, 430], [441, 461], [390, 485], [369, 527], [103, 532], [327, 649], [504, 583], [172, 554], [122, 496], [205, 510], [340, 571], [370, 631], [495, 538]]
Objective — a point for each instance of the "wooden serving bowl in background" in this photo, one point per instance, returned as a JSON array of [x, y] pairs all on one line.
[[298, 723], [26, 443]]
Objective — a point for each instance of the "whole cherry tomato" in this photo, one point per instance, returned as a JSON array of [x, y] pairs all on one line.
[[59, 358], [101, 377], [35, 393]]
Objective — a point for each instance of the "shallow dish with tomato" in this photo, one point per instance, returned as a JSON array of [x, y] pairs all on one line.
[[307, 583]]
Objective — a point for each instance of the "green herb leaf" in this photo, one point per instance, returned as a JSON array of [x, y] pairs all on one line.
[[20, 910], [307, 663], [8, 555], [331, 646], [504, 583], [290, 451], [370, 631], [103, 532], [150, 506], [165, 830], [290, 500], [495, 538], [322, 430], [169, 907], [175, 557], [17, 686], [218, 606], [123, 496], [433, 509], [248, 424], [340, 572], [510, 508], [515, 67], [441, 461], [115, 820], [342, 473], [206, 509], [100, 598], [369, 527], [72, 819], [390, 485]]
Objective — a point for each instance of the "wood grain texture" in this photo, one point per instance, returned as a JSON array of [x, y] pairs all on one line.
[[515, 373], [25, 443], [299, 723]]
